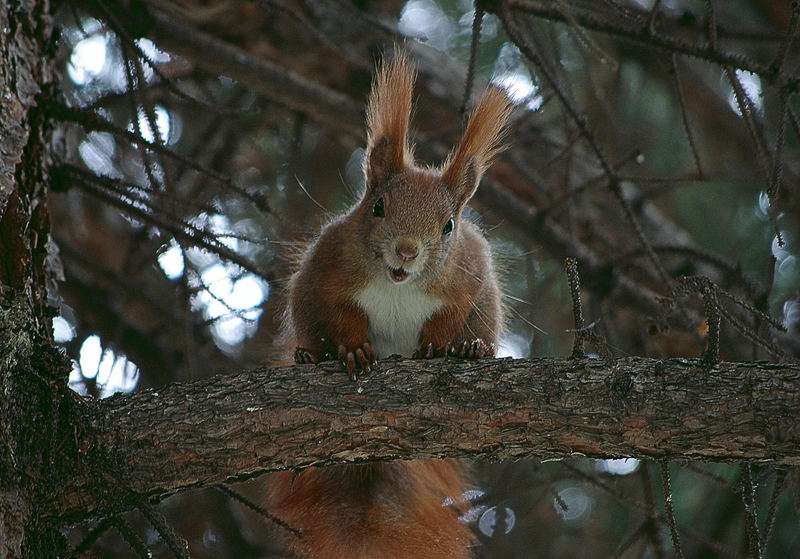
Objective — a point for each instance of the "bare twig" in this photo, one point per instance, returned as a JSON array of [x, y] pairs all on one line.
[[129, 43], [177, 545], [94, 534], [653, 532], [720, 549], [783, 53], [634, 537], [653, 18], [711, 24], [571, 267], [93, 121], [278, 83], [776, 178], [640, 33], [584, 39], [709, 292], [751, 335], [616, 189], [750, 118], [669, 511], [673, 70], [135, 542], [777, 490], [477, 22], [588, 184], [194, 235], [751, 520], [515, 32], [235, 495]]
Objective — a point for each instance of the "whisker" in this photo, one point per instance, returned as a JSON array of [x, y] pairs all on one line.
[[528, 253], [467, 271], [327, 212], [482, 317], [516, 299], [528, 322]]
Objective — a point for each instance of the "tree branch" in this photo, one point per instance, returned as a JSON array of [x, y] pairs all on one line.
[[643, 34], [234, 427], [278, 83]]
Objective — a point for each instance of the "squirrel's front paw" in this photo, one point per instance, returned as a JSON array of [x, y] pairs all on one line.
[[471, 349], [361, 356]]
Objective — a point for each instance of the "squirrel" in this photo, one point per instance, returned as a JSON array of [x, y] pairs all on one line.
[[402, 273]]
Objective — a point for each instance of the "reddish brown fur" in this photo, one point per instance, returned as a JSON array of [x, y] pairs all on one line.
[[394, 510], [481, 140], [389, 108], [386, 510]]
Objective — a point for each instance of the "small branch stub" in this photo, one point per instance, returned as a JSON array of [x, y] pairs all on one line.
[[571, 267]]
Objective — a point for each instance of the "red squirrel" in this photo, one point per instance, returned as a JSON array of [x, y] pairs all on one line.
[[401, 273]]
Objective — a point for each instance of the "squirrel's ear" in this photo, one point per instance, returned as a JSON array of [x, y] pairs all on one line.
[[481, 142], [388, 113]]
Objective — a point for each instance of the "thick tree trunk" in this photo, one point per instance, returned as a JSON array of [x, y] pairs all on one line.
[[32, 381], [236, 426]]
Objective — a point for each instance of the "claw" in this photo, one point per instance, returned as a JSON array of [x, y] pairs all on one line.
[[351, 366], [361, 357], [425, 351], [370, 353], [348, 361], [469, 349], [303, 356], [487, 350]]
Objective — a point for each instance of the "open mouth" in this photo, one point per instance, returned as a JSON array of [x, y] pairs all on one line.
[[397, 275]]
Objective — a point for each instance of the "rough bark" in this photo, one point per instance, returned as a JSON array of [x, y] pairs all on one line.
[[267, 419], [32, 375]]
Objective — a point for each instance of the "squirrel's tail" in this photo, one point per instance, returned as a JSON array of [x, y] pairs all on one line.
[[397, 510]]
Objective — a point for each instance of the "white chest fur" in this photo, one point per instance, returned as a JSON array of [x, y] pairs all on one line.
[[396, 314]]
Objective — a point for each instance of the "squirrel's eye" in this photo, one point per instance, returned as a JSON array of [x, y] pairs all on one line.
[[377, 209], [448, 227]]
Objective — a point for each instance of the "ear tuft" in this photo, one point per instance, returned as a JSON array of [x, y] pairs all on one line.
[[388, 114], [480, 144]]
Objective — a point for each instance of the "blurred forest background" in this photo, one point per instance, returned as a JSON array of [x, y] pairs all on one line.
[[655, 141]]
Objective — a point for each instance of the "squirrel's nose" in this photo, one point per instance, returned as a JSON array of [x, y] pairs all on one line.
[[406, 252]]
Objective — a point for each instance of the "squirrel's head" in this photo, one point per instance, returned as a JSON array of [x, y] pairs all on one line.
[[412, 215]]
